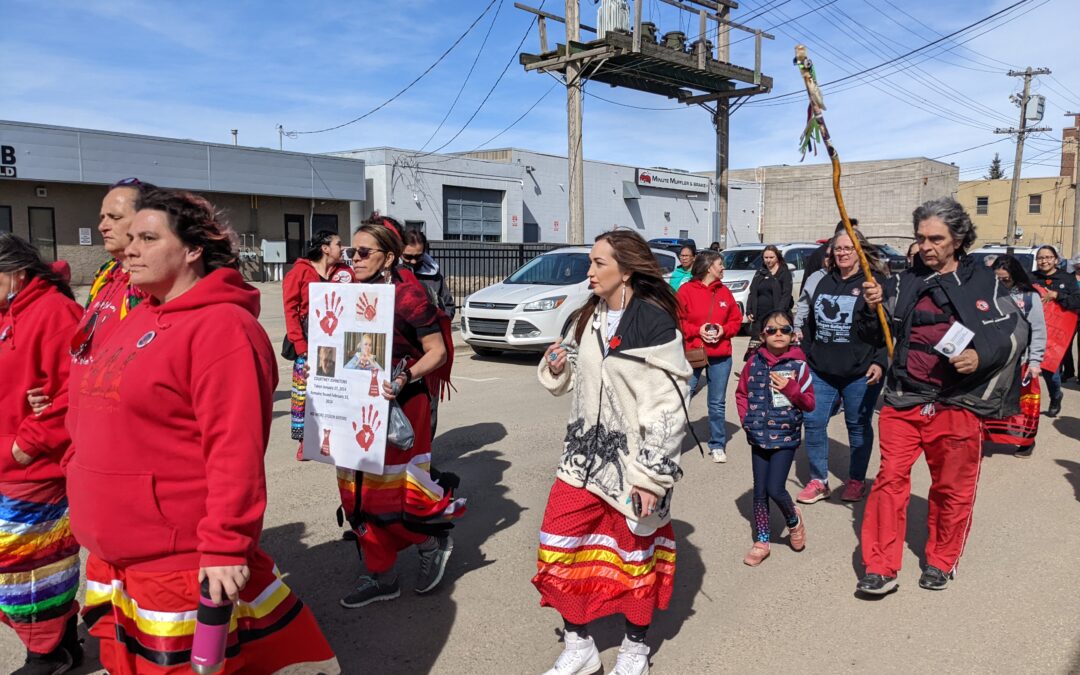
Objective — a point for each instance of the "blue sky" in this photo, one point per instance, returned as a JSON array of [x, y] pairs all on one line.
[[198, 69]]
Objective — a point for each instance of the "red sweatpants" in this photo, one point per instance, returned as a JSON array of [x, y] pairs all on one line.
[[952, 441]]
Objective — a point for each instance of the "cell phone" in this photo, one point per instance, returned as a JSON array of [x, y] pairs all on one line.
[[635, 502]]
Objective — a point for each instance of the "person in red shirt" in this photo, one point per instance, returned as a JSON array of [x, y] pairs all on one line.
[[321, 263], [111, 297], [165, 477], [39, 558], [709, 317]]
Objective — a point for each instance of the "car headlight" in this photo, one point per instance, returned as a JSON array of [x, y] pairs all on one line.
[[544, 304], [736, 286]]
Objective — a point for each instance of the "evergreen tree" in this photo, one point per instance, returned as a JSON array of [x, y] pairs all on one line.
[[996, 171]]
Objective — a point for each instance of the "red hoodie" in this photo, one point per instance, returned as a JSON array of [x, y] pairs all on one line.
[[35, 332], [695, 299], [294, 295], [170, 430]]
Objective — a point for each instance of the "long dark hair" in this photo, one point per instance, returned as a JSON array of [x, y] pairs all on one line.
[[702, 263], [633, 255], [782, 267], [18, 255], [1016, 272], [322, 238]]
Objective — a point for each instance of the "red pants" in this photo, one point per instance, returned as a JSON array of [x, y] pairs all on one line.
[[952, 441]]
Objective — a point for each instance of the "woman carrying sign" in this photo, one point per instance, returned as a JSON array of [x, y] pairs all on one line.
[[410, 503]]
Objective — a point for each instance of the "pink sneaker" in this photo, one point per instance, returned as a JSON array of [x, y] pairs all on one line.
[[815, 491], [854, 490], [757, 554], [797, 534]]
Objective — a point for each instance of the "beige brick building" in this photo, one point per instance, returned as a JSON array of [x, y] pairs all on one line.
[[798, 203], [1044, 210]]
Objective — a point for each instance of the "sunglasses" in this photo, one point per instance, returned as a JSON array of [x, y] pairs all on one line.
[[411, 258], [783, 330], [126, 182], [84, 336], [361, 252]]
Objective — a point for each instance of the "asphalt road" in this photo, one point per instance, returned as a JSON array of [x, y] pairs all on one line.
[[1014, 606]]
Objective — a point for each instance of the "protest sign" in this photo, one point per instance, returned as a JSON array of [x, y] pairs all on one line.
[[1060, 328], [350, 335]]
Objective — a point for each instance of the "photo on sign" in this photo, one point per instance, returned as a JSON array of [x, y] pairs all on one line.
[[326, 363], [362, 350]]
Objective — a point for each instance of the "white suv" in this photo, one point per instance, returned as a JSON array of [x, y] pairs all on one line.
[[1024, 254], [534, 305], [743, 261]]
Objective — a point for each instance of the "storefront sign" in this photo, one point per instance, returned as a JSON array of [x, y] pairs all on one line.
[[671, 180], [7, 162]]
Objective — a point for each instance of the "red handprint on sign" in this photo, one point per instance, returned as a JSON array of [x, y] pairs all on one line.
[[369, 424], [329, 323], [366, 308]]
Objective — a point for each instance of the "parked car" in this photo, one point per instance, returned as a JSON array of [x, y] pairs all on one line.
[[534, 305], [895, 260], [672, 244], [742, 262], [1024, 254]]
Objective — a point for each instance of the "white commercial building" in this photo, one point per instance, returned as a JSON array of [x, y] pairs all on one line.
[[514, 195]]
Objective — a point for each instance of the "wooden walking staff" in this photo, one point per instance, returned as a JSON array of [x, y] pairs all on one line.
[[814, 133]]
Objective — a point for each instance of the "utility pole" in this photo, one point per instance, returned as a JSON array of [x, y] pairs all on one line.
[[575, 159], [720, 121], [1075, 183], [1021, 132]]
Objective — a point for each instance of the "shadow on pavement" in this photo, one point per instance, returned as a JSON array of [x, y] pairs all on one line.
[[405, 635], [689, 572], [1073, 475], [1068, 426]]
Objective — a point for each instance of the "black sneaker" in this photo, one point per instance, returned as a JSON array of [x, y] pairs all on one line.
[[1055, 406], [1024, 451], [877, 584], [934, 579], [371, 589], [55, 662], [349, 535], [433, 564]]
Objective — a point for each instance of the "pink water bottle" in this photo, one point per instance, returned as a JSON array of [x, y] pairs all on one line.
[[211, 633]]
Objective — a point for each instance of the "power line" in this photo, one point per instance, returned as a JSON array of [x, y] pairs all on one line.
[[467, 76], [892, 62], [411, 84]]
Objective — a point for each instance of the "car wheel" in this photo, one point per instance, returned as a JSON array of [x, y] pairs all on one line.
[[485, 351]]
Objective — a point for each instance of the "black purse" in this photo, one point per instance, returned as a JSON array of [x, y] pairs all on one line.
[[288, 349]]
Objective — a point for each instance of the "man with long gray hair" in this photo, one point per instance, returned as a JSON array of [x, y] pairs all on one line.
[[958, 345]]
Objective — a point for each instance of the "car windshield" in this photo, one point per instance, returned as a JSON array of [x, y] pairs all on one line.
[[1026, 260], [889, 251], [667, 262], [554, 269], [742, 259]]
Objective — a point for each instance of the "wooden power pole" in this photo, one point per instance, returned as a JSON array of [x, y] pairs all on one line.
[[575, 159], [720, 121], [1021, 132]]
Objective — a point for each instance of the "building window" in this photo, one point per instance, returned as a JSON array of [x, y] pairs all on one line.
[[5, 219], [1035, 204], [684, 234], [324, 221], [472, 214], [415, 225], [982, 206], [43, 231]]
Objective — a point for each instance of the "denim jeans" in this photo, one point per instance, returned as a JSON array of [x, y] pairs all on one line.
[[718, 373], [859, 399], [1053, 384]]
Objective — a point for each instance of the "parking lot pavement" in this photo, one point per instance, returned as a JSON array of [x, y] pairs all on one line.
[[1012, 607]]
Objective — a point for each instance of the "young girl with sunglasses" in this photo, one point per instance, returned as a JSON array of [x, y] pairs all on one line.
[[774, 391]]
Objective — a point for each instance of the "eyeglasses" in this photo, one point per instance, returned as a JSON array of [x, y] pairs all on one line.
[[783, 330], [844, 249], [84, 336], [126, 182], [361, 252]]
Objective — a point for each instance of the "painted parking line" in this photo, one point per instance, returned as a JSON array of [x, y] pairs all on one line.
[[476, 379]]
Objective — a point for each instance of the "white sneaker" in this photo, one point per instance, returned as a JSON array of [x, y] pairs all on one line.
[[718, 455], [579, 656], [633, 659]]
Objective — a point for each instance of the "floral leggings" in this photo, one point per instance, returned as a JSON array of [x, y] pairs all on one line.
[[771, 469]]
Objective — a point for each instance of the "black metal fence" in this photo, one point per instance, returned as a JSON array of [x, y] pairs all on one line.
[[470, 266]]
